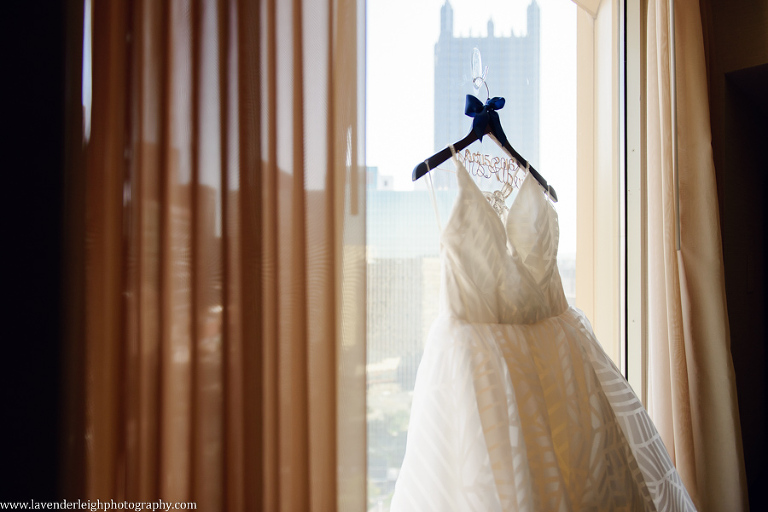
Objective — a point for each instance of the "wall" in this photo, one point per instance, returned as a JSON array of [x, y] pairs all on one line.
[[736, 32], [33, 179]]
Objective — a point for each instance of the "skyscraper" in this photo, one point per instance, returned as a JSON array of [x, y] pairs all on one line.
[[513, 73]]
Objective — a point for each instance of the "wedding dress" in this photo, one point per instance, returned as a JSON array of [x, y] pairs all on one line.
[[516, 406]]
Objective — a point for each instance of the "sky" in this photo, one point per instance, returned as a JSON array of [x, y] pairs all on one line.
[[401, 36]]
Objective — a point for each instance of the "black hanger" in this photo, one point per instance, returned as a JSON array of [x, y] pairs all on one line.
[[486, 121]]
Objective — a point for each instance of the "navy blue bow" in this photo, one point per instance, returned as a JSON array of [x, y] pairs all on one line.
[[484, 114]]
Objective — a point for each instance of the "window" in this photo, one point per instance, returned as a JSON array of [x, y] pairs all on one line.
[[557, 65], [416, 84]]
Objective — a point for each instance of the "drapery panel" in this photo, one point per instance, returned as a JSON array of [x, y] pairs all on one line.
[[215, 255], [692, 393]]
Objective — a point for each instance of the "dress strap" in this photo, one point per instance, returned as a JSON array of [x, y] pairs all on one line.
[[431, 187]]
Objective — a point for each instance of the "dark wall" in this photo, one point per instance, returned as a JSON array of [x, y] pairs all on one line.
[[737, 44], [33, 76], [744, 223]]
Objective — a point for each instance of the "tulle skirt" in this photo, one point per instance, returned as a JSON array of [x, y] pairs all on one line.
[[529, 418]]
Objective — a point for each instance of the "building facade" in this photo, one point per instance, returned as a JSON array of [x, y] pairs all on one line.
[[513, 73]]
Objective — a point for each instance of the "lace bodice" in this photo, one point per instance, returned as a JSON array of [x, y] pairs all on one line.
[[501, 270]]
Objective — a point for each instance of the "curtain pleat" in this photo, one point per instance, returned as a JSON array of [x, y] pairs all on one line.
[[220, 237], [692, 391]]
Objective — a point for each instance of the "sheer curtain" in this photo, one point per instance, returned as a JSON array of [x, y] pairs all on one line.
[[692, 392], [215, 254]]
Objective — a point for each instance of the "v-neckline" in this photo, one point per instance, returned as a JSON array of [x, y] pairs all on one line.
[[511, 248], [481, 196]]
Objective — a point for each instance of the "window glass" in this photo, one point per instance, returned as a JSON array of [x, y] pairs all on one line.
[[419, 70]]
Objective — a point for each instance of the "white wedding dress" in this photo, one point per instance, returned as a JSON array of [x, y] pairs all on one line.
[[516, 406]]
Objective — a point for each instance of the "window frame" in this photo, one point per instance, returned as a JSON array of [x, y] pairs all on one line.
[[611, 233], [636, 346]]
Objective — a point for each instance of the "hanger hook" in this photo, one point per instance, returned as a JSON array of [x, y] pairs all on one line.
[[479, 73], [479, 81]]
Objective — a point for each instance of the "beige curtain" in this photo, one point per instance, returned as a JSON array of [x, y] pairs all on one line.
[[215, 255], [692, 392]]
